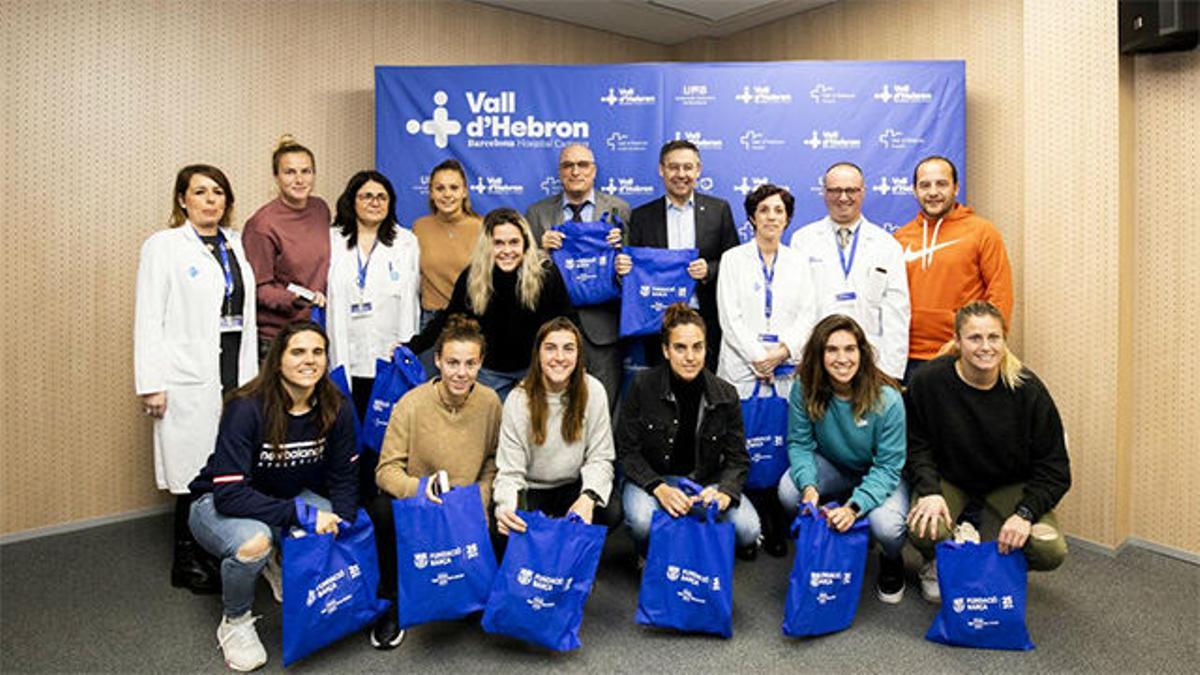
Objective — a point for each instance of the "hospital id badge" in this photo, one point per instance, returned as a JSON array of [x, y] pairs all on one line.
[[360, 310], [768, 340], [231, 324]]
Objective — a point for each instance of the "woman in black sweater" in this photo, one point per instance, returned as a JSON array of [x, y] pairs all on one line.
[[511, 288], [983, 429]]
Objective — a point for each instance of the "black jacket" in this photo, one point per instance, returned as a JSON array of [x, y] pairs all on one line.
[[646, 432]]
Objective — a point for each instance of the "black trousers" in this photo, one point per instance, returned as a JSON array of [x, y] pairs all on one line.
[[369, 459]]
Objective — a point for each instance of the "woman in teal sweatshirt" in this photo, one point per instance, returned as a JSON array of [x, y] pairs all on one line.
[[847, 442]]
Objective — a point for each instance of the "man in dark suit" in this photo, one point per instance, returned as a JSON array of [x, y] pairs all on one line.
[[685, 219], [580, 201]]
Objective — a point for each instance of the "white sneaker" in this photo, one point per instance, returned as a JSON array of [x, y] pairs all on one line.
[[965, 532], [929, 582], [240, 644], [273, 573]]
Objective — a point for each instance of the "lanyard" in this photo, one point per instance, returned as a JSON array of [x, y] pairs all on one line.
[[363, 266], [223, 252], [769, 278], [847, 265]]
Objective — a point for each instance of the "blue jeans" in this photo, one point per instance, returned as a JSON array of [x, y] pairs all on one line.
[[640, 507], [887, 520], [223, 535], [500, 381]]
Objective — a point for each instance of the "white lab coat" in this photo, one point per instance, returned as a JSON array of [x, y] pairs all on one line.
[[877, 279], [177, 345], [741, 301], [393, 287]]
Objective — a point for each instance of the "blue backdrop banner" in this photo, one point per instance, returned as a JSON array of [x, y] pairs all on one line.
[[779, 122]]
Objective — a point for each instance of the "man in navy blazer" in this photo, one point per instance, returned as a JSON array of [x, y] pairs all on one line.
[[683, 218], [579, 200]]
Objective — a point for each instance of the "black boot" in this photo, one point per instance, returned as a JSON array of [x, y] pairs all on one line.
[[190, 567]]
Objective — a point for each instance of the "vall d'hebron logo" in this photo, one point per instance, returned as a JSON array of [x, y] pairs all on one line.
[[902, 93], [627, 96], [495, 124], [750, 183], [894, 139], [495, 185], [694, 94], [895, 186], [697, 139], [758, 141], [823, 93], [626, 187], [619, 142], [762, 95], [831, 140]]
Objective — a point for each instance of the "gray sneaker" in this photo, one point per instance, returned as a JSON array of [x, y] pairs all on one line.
[[929, 582], [273, 573], [240, 644]]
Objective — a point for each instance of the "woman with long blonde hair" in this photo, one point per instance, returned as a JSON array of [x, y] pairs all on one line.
[[511, 288]]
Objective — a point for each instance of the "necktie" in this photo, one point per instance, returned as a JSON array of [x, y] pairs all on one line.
[[576, 212], [843, 236]]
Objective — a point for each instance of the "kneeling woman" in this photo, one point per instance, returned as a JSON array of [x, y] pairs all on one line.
[[681, 421], [846, 441], [287, 436], [451, 424], [556, 447]]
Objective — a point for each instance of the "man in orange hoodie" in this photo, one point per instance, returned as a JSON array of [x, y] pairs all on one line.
[[952, 257]]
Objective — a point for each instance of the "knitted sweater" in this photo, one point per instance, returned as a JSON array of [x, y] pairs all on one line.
[[286, 246], [424, 436], [521, 463]]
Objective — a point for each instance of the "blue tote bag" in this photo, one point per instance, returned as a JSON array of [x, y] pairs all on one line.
[[688, 580], [393, 379], [766, 419], [586, 263], [659, 278], [544, 581], [445, 565], [983, 597], [329, 584], [826, 578]]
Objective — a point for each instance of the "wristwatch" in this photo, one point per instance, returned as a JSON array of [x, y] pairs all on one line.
[[591, 494], [855, 508], [1024, 512]]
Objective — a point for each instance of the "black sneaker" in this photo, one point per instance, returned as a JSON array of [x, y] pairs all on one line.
[[387, 633], [775, 547], [747, 553], [890, 587]]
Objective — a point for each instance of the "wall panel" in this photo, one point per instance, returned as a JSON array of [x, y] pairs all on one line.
[[103, 101]]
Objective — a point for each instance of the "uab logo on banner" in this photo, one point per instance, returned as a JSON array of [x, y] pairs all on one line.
[[496, 124], [694, 94], [902, 93]]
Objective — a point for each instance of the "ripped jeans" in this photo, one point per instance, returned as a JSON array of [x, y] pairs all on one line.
[[223, 536]]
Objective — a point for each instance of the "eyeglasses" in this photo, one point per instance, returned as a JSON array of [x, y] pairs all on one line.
[[366, 197], [582, 165], [843, 192]]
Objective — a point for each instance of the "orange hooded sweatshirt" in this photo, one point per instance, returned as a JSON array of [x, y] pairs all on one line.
[[951, 262]]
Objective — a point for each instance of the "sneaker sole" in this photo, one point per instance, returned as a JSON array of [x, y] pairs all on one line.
[[244, 669], [889, 598], [388, 645]]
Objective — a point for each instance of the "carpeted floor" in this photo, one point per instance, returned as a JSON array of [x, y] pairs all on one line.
[[99, 600]]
